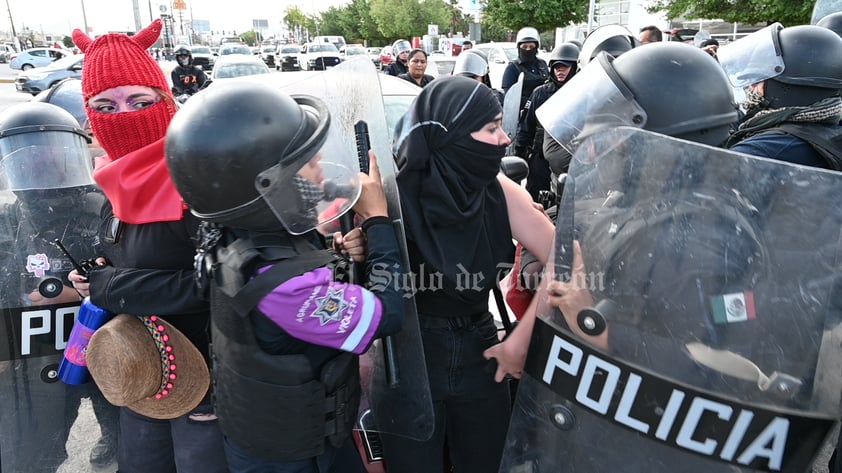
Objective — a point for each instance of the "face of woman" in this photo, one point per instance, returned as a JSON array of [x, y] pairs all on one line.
[[561, 71], [125, 98], [492, 133], [417, 65]]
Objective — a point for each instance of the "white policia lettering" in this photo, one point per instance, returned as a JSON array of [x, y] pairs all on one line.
[[590, 370], [44, 322]]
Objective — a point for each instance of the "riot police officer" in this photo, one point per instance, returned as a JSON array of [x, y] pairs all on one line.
[[48, 193], [400, 52], [792, 94], [186, 78], [286, 334], [534, 69], [529, 141]]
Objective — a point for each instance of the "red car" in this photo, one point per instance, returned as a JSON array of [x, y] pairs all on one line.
[[386, 57]]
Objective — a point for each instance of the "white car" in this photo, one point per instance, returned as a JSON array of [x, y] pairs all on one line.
[[238, 65], [318, 57], [499, 56]]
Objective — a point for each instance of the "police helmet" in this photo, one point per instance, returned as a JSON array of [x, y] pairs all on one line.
[[67, 94], [613, 39], [567, 53], [630, 91], [812, 58], [471, 63], [235, 154], [833, 22], [528, 35], [401, 46], [42, 147]]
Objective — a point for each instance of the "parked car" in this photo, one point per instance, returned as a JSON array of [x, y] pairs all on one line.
[[33, 81], [438, 66], [499, 56], [203, 57], [6, 52], [286, 59], [37, 57], [386, 57], [351, 50], [237, 65], [374, 55], [234, 48], [267, 53], [318, 56]]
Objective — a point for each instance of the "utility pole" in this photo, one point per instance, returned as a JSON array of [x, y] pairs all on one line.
[[84, 16], [14, 34], [136, 10]]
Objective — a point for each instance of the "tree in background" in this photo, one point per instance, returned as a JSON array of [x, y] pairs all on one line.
[[294, 19], [408, 18], [788, 12], [541, 14], [250, 37]]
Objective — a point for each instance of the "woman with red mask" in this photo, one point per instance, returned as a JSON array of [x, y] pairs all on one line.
[[148, 236]]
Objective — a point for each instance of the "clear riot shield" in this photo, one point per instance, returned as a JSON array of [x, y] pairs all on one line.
[[511, 111], [712, 344], [46, 425], [403, 405], [822, 8]]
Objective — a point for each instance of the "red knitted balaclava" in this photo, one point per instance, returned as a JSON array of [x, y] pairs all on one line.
[[114, 60]]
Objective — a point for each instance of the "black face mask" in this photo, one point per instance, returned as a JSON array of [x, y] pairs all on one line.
[[527, 55]]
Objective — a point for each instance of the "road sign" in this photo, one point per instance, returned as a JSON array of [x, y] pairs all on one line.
[[433, 30]]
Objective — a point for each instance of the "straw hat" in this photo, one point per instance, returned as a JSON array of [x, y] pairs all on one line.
[[147, 365]]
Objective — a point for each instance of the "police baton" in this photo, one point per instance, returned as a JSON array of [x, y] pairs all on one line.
[[346, 222]]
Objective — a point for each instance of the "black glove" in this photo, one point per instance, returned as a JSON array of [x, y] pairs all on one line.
[[522, 152]]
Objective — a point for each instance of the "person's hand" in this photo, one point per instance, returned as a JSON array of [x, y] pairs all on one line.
[[572, 296], [372, 201], [510, 355], [353, 244], [80, 283]]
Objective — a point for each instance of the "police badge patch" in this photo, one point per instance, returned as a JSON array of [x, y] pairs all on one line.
[[330, 306]]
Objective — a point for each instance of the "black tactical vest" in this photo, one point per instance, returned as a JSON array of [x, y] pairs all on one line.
[[277, 407]]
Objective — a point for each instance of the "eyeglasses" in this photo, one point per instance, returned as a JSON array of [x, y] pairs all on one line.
[[419, 61]]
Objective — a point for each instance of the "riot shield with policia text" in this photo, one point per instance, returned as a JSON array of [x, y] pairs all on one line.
[[713, 340], [395, 385], [46, 193]]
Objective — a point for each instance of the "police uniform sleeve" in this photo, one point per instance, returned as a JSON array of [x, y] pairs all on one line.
[[556, 155], [526, 125], [316, 309], [510, 76]]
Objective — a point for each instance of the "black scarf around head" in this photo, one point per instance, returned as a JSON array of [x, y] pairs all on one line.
[[453, 206]]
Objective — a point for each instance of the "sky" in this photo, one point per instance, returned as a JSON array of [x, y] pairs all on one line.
[[60, 17]]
